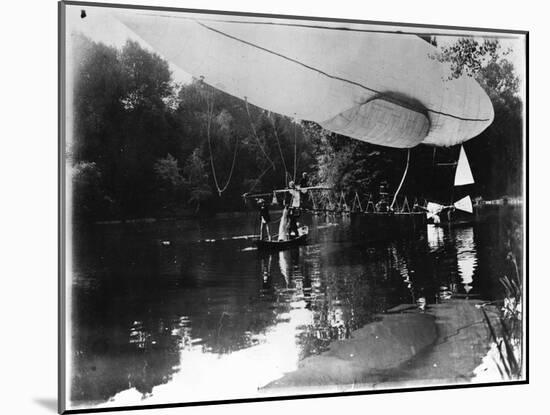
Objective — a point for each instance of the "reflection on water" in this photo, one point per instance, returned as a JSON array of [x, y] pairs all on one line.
[[466, 257], [435, 235], [175, 312]]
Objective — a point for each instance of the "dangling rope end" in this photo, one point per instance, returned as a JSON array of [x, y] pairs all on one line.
[[402, 179]]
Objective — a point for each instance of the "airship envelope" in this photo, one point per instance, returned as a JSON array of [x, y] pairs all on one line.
[[382, 88]]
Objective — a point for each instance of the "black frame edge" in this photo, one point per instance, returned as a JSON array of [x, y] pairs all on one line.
[[62, 212], [526, 207], [293, 397], [61, 301], [286, 16]]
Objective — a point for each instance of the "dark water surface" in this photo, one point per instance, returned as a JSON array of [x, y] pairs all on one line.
[[189, 310]]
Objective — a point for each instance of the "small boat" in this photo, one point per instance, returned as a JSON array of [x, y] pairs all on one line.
[[276, 245]]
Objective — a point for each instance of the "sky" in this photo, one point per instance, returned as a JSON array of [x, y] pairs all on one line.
[[101, 25]]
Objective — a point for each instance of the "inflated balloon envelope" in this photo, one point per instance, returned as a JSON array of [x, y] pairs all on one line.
[[382, 88]]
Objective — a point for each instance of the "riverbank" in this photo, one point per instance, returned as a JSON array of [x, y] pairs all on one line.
[[405, 347], [191, 214]]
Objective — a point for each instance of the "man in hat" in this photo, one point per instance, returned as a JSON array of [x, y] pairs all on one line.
[[265, 218]]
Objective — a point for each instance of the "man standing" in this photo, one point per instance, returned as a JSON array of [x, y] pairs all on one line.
[[302, 185], [304, 182], [294, 210], [265, 218]]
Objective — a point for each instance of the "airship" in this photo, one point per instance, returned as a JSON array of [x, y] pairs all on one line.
[[380, 87]]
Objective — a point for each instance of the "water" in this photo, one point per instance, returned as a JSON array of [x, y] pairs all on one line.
[[189, 310]]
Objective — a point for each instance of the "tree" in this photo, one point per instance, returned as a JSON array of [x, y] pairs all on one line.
[[496, 155], [224, 127], [348, 165], [168, 173], [147, 79], [196, 180], [96, 99], [88, 197], [139, 127], [467, 56], [170, 182], [123, 122]]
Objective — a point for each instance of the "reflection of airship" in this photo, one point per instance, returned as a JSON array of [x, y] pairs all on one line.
[[382, 88]]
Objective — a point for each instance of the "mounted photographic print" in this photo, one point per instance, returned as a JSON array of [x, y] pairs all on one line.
[[257, 206]]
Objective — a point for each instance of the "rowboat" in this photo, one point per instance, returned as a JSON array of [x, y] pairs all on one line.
[[276, 245]]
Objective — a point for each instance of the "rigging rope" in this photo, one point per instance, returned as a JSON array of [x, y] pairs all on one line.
[[358, 201], [256, 134], [209, 115], [406, 203], [259, 178], [312, 195], [402, 179], [371, 204], [294, 151], [342, 206], [287, 174]]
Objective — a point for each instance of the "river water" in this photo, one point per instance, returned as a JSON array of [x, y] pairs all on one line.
[[189, 310]]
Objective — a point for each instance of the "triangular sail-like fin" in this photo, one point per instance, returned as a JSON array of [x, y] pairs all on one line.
[[464, 204], [463, 174]]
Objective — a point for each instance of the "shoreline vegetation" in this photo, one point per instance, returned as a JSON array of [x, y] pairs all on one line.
[[145, 146], [479, 203], [507, 333]]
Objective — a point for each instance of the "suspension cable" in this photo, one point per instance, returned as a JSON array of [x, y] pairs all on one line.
[[257, 181], [287, 174], [256, 134], [294, 151], [209, 116], [402, 179]]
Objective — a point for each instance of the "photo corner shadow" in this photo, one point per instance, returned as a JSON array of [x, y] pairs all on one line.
[[48, 403]]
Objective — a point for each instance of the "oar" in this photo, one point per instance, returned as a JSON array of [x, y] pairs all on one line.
[[249, 196]]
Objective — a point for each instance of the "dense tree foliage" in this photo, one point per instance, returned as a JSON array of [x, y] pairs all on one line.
[[349, 165], [143, 145], [496, 154]]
